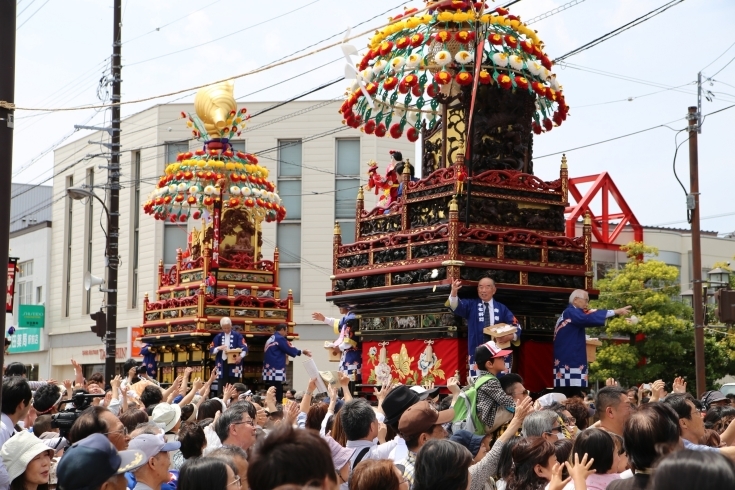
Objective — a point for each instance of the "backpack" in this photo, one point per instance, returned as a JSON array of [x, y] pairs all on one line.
[[465, 410]]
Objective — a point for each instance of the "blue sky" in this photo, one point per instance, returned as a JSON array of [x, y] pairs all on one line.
[[63, 48]]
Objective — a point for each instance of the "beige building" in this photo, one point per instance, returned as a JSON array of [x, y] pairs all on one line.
[[317, 163]]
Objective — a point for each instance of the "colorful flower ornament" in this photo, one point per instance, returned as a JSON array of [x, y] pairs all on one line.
[[409, 61]]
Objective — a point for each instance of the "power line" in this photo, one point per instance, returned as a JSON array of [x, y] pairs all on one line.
[[726, 65], [31, 16], [279, 16], [643, 18], [158, 29], [632, 98], [721, 55], [554, 11]]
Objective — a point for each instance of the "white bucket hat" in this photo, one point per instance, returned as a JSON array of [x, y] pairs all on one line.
[[166, 416], [20, 450]]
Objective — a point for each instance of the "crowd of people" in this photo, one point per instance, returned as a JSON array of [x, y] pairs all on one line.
[[489, 435]]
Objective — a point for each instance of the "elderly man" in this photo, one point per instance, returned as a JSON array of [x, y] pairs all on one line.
[[222, 342], [544, 423], [480, 313], [570, 349], [154, 473]]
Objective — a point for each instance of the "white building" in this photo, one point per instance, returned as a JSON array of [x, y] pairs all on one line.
[[30, 241], [317, 179]]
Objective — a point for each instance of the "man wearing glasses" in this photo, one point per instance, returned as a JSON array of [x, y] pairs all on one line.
[[154, 472], [570, 343], [543, 423], [236, 427]]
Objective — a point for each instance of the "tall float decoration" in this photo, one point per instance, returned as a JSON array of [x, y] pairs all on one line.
[[476, 85], [222, 271]]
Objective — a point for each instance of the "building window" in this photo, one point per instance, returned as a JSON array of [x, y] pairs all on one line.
[[288, 232], [135, 225], [238, 145], [25, 292], [39, 295], [602, 268], [174, 148], [25, 269], [174, 238], [67, 249], [88, 237], [346, 185]]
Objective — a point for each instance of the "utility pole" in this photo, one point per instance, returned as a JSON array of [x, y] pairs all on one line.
[[113, 184], [7, 116], [693, 205]]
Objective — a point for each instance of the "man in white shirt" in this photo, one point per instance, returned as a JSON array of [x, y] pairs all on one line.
[[360, 425]]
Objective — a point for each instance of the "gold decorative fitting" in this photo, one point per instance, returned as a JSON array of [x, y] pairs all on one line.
[[453, 205], [337, 229], [360, 193], [587, 219], [459, 157], [564, 161], [453, 263], [407, 167]]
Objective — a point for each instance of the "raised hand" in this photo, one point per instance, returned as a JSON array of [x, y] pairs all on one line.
[[188, 371], [312, 386], [291, 412], [306, 352], [523, 408], [456, 285], [658, 388], [624, 311], [67, 385], [344, 380], [131, 373], [381, 393], [318, 316], [453, 386], [197, 384], [115, 383], [228, 392], [557, 483], [581, 469], [611, 382], [76, 365], [679, 385]]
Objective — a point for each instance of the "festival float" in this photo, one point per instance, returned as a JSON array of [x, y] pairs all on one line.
[[475, 84], [222, 272]]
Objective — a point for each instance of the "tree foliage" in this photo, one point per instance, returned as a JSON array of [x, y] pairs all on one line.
[[660, 345]]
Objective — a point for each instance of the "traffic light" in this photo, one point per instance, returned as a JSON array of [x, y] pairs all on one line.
[[100, 326], [725, 299]]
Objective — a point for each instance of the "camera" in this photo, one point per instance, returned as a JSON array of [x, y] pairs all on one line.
[[66, 418], [142, 369]]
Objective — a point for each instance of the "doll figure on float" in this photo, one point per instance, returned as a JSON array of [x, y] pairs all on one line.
[[386, 186]]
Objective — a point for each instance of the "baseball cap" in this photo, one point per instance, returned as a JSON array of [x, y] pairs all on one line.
[[166, 416], [150, 444], [424, 393], [88, 463], [469, 440], [421, 417], [396, 402], [20, 450], [711, 397], [487, 351]]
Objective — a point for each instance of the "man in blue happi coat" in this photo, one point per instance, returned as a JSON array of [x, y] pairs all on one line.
[[348, 342], [275, 355], [570, 342], [229, 373], [480, 313]]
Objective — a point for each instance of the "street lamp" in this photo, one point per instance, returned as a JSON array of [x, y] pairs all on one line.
[[719, 278], [112, 262]]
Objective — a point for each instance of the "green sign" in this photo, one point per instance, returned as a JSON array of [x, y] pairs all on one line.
[[31, 316], [25, 340]]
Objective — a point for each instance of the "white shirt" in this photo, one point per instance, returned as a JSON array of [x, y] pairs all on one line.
[[226, 343], [7, 428], [375, 451]]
